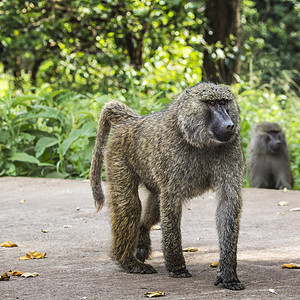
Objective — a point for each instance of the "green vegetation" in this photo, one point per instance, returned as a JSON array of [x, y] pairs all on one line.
[[60, 61], [47, 134], [263, 104], [51, 133]]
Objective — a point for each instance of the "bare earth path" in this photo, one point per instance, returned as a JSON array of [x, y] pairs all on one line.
[[78, 266]]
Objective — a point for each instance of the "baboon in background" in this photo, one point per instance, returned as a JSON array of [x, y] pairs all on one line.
[[181, 152], [268, 158]]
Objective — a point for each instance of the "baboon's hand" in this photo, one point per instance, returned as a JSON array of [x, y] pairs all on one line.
[[233, 284], [181, 273]]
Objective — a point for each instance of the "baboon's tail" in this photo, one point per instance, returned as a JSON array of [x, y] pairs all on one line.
[[112, 113]]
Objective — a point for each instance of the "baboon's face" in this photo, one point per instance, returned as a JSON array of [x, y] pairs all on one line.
[[220, 123], [273, 141], [268, 138], [208, 114]]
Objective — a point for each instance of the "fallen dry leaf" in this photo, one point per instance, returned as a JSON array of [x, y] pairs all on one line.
[[190, 249], [4, 277], [36, 255], [33, 255], [291, 266], [26, 275], [214, 264], [283, 203], [44, 230], [154, 294], [9, 244], [24, 257], [15, 273]]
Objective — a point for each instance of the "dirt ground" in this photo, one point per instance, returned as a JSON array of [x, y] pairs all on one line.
[[78, 265]]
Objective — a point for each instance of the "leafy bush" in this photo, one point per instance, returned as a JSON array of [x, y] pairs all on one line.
[[51, 133], [48, 134], [263, 104]]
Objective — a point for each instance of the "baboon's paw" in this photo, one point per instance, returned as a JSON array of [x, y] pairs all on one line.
[[140, 269], [181, 273], [235, 284]]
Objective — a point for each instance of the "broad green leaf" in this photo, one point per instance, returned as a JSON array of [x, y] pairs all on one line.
[[102, 99], [22, 100], [74, 135], [144, 111], [46, 165], [22, 156], [87, 127], [55, 174], [39, 133], [163, 101], [28, 116], [4, 135], [27, 136], [55, 93], [44, 143]]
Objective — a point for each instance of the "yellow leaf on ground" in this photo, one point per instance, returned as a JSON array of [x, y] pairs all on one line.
[[214, 264], [291, 266], [154, 294], [15, 273], [24, 257], [36, 255], [33, 255], [4, 277], [9, 244], [190, 249]]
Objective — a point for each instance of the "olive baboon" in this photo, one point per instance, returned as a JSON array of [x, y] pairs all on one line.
[[178, 153], [268, 158]]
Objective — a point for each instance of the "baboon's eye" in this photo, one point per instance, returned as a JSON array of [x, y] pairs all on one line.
[[222, 102], [212, 103]]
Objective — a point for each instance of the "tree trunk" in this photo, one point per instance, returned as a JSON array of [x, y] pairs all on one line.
[[223, 20], [35, 69], [135, 50]]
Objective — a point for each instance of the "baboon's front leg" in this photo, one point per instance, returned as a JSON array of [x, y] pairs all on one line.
[[170, 222], [228, 217]]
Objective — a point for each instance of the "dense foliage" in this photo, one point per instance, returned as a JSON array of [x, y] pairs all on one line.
[[272, 36], [51, 133], [90, 46], [60, 61]]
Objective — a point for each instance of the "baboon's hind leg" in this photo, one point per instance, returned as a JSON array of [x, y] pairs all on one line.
[[125, 209], [151, 216]]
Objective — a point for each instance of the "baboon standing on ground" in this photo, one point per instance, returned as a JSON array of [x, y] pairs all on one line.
[[269, 161], [179, 153]]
